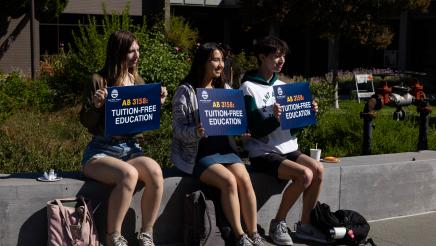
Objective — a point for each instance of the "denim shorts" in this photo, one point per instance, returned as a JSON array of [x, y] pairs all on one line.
[[207, 161], [106, 146]]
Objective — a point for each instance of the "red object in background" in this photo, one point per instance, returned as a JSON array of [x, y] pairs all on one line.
[[417, 90], [384, 92], [350, 234]]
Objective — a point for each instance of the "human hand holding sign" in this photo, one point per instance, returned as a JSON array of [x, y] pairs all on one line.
[[315, 105], [163, 94], [99, 97], [277, 111], [201, 131]]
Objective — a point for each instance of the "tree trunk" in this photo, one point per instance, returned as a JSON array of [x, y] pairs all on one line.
[[333, 60], [32, 39], [167, 15]]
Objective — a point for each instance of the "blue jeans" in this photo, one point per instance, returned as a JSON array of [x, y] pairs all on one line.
[[106, 146]]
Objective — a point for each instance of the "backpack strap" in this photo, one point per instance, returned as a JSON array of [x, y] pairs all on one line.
[[64, 215], [369, 241], [209, 217], [214, 219]]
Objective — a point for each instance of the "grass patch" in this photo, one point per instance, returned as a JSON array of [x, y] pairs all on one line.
[[339, 131], [34, 142], [31, 141]]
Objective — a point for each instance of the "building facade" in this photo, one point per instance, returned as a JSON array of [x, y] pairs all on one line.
[[223, 21]]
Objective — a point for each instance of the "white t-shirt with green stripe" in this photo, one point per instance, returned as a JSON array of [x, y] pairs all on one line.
[[267, 135]]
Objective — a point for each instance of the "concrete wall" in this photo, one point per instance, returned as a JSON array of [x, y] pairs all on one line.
[[382, 186], [209, 3], [96, 6], [378, 186]]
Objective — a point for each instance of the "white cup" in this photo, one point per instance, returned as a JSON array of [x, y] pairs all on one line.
[[315, 154]]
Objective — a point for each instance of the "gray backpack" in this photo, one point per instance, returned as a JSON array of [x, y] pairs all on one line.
[[200, 227]]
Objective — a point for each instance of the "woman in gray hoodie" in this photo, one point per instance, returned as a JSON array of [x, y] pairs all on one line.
[[211, 159]]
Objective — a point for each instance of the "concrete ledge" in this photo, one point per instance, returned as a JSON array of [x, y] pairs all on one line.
[[378, 186], [383, 186]]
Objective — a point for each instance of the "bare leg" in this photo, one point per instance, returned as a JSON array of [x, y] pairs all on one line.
[[246, 196], [150, 173], [301, 177], [112, 171], [311, 194], [218, 176]]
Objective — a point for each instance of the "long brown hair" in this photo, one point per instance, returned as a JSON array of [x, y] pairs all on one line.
[[198, 68], [116, 66]]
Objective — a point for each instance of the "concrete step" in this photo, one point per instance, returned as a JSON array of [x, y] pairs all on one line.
[[378, 186]]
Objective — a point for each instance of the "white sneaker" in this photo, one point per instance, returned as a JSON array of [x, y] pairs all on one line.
[[278, 232], [145, 239], [257, 239], [118, 240], [244, 241]]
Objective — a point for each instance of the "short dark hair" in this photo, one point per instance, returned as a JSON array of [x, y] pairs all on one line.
[[270, 44]]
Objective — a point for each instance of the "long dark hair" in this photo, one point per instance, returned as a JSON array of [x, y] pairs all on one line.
[[116, 66], [198, 68]]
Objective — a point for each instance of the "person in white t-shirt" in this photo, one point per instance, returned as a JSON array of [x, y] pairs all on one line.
[[275, 151]]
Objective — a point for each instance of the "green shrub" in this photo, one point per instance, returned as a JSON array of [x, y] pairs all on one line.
[[181, 34], [55, 71], [18, 92], [323, 91], [339, 131], [242, 63], [161, 62]]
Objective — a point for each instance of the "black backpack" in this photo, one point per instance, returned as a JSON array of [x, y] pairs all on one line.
[[200, 221], [357, 228]]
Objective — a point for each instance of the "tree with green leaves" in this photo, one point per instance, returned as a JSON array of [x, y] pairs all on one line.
[[362, 21]]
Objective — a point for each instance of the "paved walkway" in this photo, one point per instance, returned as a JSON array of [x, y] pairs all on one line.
[[416, 230]]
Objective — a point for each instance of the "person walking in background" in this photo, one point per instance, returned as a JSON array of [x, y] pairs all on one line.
[[118, 160], [275, 151], [212, 159]]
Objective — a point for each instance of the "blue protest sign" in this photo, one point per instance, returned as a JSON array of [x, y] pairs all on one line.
[[222, 111], [132, 109], [295, 100]]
